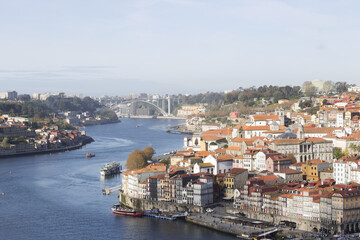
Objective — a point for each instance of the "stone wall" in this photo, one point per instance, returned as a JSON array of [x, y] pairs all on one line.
[[304, 225], [143, 204]]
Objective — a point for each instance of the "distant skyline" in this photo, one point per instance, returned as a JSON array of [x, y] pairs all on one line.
[[175, 46]]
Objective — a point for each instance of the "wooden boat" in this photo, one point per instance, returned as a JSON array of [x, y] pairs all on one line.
[[120, 210], [90, 155]]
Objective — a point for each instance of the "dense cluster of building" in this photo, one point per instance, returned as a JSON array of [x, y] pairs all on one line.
[[46, 138], [280, 164]]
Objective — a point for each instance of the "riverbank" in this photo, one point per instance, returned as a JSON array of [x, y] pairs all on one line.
[[83, 141], [180, 129], [99, 122]]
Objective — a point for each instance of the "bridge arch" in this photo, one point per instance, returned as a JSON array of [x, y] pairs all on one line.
[[151, 104]]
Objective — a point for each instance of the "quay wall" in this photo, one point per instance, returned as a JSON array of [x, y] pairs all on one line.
[[144, 204], [305, 225]]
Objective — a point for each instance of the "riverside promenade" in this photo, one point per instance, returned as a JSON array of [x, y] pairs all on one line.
[[229, 224]]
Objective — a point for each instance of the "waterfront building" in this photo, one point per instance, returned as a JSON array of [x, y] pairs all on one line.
[[131, 179], [198, 192]]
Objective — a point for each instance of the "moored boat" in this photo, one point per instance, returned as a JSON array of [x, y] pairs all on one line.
[[110, 168], [120, 210]]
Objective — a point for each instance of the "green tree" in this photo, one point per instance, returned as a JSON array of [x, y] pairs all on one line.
[[337, 153]]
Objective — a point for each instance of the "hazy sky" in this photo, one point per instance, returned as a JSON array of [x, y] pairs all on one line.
[[114, 47]]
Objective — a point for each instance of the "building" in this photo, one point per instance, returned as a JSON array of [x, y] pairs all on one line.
[[311, 169], [289, 175], [234, 179], [131, 179]]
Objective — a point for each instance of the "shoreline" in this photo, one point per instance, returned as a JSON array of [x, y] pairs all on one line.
[[83, 142]]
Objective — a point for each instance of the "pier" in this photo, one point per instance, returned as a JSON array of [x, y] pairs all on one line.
[[107, 191]]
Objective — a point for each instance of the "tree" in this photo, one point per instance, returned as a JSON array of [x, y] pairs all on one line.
[[305, 104], [308, 88], [341, 87], [148, 153], [136, 160], [337, 153], [327, 87], [139, 158]]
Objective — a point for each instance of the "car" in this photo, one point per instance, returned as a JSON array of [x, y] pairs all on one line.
[[209, 210]]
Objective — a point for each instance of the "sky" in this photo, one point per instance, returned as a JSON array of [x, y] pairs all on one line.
[[117, 47]]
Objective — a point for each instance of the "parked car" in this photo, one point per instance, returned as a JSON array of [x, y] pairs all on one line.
[[209, 210]]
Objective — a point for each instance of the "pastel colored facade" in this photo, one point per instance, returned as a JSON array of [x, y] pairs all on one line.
[[278, 162], [235, 178], [198, 192], [335, 209], [131, 179], [311, 169]]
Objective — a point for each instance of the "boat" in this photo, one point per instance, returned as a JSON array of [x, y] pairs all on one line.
[[120, 210], [90, 155], [110, 168]]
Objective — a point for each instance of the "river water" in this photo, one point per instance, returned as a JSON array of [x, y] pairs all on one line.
[[59, 196]]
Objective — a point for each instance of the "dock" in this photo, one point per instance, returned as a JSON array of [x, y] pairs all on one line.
[[107, 191]]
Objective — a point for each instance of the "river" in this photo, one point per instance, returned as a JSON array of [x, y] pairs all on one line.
[[59, 196]]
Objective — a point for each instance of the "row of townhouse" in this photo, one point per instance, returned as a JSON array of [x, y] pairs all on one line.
[[346, 170], [335, 207], [155, 183]]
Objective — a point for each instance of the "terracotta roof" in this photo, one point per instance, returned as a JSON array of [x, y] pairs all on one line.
[[297, 164], [204, 153], [316, 161], [236, 171], [234, 148], [211, 138], [285, 141], [226, 157], [255, 128], [314, 139], [267, 177]]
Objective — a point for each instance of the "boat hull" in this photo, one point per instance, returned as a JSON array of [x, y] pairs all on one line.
[[125, 213]]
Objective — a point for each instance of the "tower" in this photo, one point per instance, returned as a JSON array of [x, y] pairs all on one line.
[[300, 132]]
